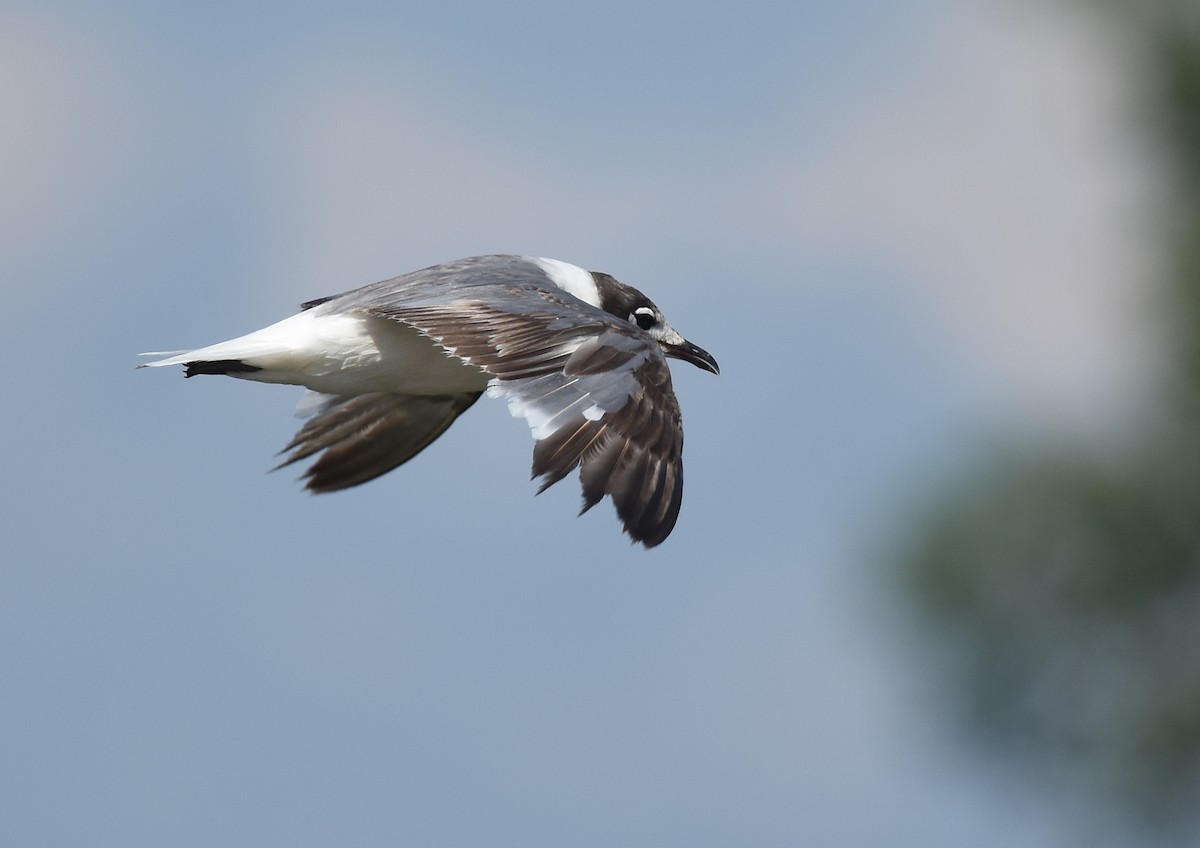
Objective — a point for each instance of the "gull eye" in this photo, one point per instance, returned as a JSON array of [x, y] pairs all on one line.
[[643, 316]]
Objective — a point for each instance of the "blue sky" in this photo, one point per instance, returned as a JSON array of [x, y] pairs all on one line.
[[901, 228]]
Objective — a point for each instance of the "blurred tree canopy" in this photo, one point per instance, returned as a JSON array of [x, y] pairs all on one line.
[[1068, 586]]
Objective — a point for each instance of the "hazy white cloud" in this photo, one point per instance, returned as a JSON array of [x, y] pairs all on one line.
[[375, 174], [66, 103], [999, 174]]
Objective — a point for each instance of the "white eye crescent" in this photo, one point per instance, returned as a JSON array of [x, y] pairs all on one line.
[[643, 316]]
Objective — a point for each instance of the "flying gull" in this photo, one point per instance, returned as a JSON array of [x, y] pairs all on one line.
[[389, 366]]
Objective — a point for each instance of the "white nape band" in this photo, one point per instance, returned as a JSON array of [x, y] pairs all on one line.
[[570, 278]]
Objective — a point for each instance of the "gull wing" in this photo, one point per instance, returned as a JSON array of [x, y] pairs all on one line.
[[595, 390]]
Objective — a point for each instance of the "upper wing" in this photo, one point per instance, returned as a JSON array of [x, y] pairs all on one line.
[[596, 392]]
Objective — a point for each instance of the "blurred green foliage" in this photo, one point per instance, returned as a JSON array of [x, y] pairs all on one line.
[[1065, 589]]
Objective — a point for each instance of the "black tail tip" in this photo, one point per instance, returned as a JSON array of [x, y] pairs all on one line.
[[217, 366]]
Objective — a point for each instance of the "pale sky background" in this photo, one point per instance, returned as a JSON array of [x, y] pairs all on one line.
[[903, 228]]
